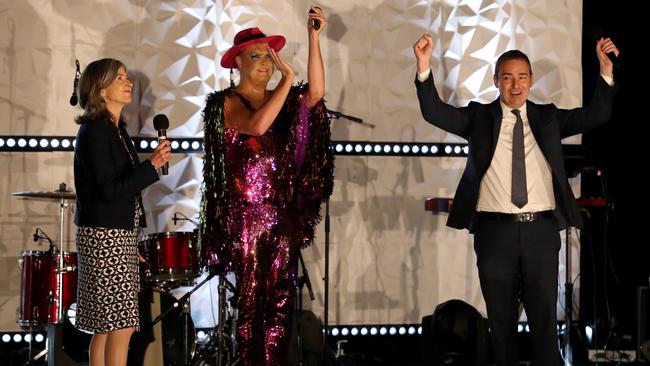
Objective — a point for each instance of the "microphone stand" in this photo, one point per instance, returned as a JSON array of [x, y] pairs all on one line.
[[326, 353], [182, 217], [337, 115], [185, 298]]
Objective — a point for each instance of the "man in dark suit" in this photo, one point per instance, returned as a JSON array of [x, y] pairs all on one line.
[[514, 194]]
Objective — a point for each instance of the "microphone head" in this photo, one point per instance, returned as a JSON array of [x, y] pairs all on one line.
[[74, 99], [160, 122], [315, 22], [595, 32]]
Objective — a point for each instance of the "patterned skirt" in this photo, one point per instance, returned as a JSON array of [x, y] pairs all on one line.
[[109, 279]]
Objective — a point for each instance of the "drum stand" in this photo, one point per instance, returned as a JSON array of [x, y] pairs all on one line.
[[226, 343]]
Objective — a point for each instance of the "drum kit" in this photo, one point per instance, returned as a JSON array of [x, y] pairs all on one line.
[[169, 262]]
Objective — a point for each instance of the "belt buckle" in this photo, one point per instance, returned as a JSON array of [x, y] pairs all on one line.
[[527, 216]]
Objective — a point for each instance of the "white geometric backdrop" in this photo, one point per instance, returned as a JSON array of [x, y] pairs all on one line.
[[391, 262]]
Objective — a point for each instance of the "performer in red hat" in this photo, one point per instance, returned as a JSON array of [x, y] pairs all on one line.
[[267, 168]]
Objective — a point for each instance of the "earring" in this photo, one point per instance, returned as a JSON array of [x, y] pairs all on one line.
[[232, 79]]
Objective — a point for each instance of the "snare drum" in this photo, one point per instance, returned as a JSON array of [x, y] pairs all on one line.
[[170, 258], [39, 298]]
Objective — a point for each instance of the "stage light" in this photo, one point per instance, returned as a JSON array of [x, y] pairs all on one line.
[[589, 333], [195, 144], [28, 338], [383, 331], [344, 331], [201, 335], [18, 338], [39, 338], [402, 330], [6, 338], [392, 330], [455, 334], [373, 331], [335, 332], [412, 330], [364, 331]]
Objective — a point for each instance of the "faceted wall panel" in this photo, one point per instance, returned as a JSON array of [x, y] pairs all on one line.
[[391, 262]]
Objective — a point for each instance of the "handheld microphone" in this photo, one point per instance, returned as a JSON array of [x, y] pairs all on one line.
[[315, 23], [175, 218], [74, 98], [36, 235], [161, 123]]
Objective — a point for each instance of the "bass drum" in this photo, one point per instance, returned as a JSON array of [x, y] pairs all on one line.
[[171, 341]]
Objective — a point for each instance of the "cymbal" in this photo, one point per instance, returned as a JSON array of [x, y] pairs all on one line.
[[56, 195]]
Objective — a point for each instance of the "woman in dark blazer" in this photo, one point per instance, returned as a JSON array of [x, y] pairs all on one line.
[[108, 180]]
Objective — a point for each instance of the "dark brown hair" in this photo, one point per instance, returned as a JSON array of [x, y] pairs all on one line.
[[512, 55], [96, 76]]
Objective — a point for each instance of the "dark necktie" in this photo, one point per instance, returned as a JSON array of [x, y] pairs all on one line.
[[519, 193]]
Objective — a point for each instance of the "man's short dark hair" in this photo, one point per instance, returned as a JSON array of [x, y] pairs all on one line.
[[512, 55]]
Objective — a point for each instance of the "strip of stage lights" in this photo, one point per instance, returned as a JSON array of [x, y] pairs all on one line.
[[195, 145]]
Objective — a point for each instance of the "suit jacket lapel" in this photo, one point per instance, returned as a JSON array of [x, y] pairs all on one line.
[[535, 121], [495, 111]]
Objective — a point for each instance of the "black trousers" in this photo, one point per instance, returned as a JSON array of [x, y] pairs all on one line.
[[519, 261]]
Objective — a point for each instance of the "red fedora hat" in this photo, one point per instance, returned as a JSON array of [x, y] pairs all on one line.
[[248, 37]]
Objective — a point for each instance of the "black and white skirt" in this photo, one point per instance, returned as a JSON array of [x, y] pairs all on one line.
[[109, 279]]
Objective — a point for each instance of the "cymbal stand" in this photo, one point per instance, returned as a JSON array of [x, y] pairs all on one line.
[[55, 354]]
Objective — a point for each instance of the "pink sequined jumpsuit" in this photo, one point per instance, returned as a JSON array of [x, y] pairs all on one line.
[[261, 202]]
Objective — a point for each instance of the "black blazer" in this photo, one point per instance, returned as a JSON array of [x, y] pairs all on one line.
[[105, 180], [480, 123]]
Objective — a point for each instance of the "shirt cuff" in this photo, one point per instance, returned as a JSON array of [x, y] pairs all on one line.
[[424, 75], [608, 79]]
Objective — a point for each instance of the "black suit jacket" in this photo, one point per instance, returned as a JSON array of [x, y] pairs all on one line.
[[480, 123], [106, 182]]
